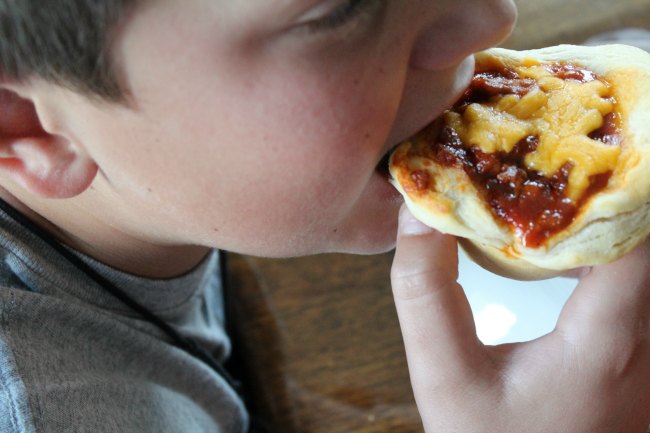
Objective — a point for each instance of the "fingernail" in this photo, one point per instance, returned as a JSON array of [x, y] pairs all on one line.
[[410, 226]]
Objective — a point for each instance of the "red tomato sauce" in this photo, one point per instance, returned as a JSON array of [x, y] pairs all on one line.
[[534, 205]]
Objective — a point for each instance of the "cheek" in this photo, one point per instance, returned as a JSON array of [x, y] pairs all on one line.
[[245, 154], [302, 157], [313, 136]]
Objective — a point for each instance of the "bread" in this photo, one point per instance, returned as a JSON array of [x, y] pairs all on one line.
[[544, 164]]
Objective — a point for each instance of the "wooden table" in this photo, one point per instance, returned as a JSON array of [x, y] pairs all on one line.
[[319, 337], [551, 22]]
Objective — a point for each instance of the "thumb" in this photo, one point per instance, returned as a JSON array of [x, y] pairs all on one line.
[[435, 316]]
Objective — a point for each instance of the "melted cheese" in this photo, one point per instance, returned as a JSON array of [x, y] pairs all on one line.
[[560, 112]]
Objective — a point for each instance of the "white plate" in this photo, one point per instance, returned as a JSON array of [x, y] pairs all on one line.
[[506, 310]]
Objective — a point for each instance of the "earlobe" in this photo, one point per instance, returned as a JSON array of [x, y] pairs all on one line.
[[45, 164]]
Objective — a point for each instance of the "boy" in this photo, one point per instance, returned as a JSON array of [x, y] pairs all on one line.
[[144, 133]]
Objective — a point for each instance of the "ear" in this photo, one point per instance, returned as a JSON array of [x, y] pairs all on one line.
[[44, 163]]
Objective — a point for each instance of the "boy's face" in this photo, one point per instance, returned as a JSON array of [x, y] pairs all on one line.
[[258, 126]]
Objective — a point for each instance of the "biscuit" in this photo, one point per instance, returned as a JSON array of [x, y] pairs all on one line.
[[543, 165]]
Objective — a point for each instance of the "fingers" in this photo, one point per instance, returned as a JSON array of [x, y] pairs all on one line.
[[606, 327], [435, 317], [613, 298]]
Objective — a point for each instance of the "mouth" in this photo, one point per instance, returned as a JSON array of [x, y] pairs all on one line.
[[383, 166], [464, 82]]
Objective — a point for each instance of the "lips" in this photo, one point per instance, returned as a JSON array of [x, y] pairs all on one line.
[[382, 167], [464, 74]]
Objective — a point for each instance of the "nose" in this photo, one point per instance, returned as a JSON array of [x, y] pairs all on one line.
[[461, 28]]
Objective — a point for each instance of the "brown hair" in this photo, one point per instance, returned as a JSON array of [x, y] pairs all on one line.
[[62, 41]]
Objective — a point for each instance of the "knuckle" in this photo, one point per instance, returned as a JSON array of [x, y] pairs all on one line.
[[625, 356], [611, 352], [622, 356], [409, 286]]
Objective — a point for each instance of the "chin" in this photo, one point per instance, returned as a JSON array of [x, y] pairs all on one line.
[[368, 240], [374, 249]]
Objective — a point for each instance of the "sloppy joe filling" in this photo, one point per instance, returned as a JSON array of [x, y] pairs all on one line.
[[534, 203]]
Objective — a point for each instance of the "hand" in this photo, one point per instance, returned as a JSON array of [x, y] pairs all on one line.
[[590, 375]]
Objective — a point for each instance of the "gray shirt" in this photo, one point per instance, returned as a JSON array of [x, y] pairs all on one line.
[[74, 359]]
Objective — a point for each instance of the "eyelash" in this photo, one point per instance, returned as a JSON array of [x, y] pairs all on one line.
[[342, 15]]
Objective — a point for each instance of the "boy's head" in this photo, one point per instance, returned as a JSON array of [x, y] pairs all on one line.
[[254, 126]]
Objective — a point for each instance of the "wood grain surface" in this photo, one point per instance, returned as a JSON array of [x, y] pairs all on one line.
[[318, 340], [552, 22]]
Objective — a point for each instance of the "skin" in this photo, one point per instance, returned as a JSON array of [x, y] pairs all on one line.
[[259, 136], [591, 374], [244, 131]]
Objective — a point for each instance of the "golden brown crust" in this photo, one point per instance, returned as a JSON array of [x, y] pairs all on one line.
[[607, 226]]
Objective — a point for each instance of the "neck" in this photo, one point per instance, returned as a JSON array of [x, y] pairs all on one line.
[[105, 242]]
